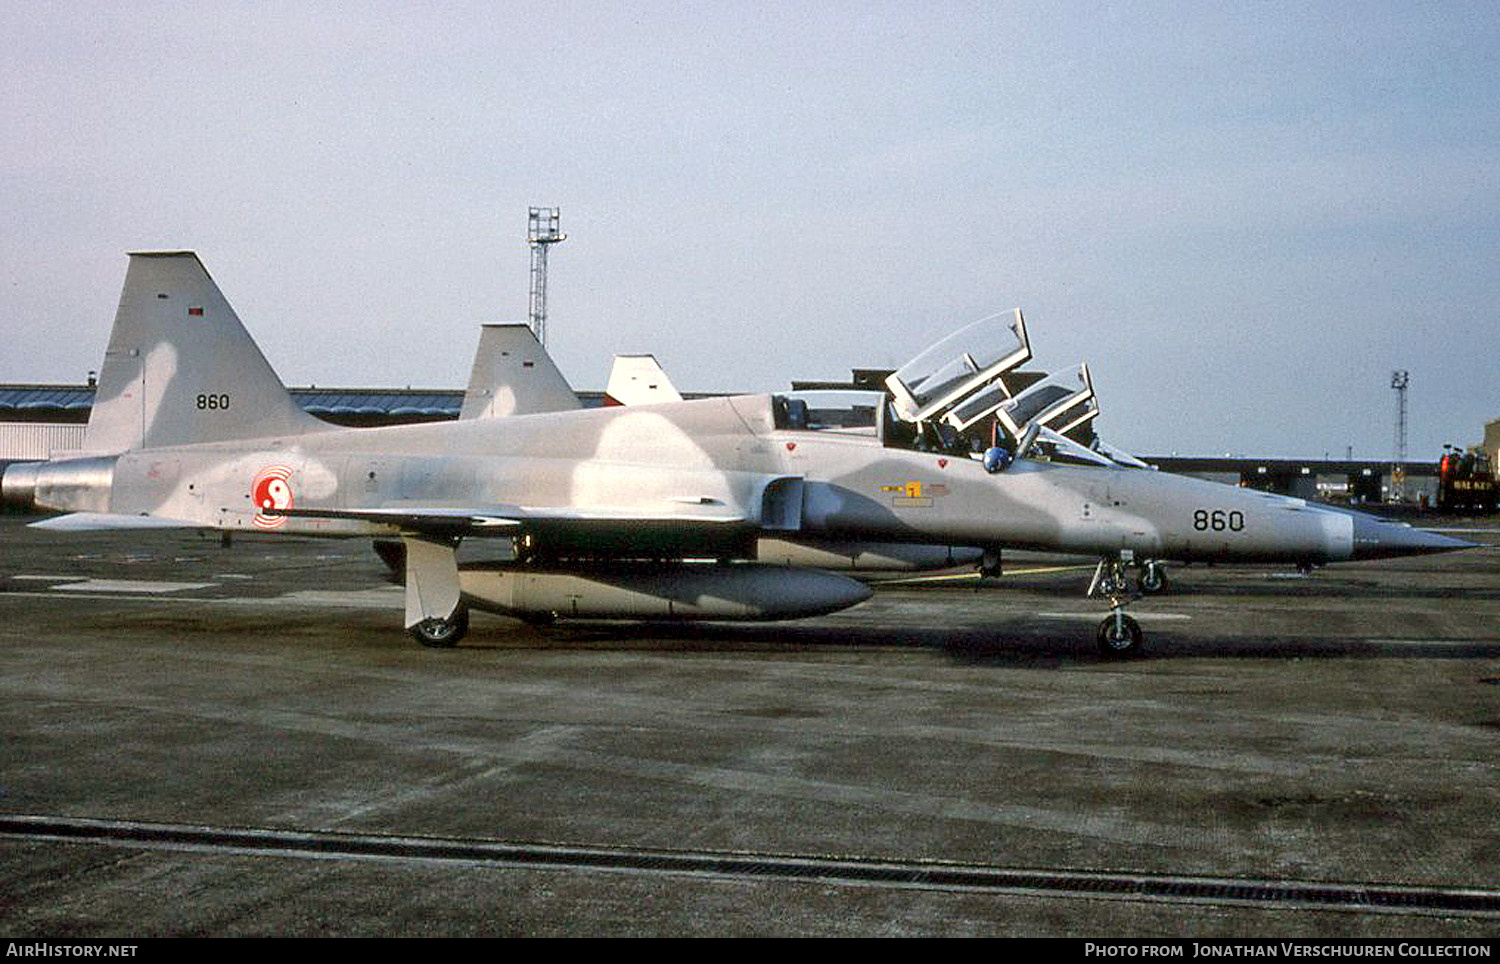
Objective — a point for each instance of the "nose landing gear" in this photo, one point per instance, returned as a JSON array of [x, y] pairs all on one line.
[[1119, 635]]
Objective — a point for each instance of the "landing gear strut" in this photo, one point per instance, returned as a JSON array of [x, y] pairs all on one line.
[[1119, 635]]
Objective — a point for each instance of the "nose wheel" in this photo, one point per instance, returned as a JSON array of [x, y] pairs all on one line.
[[1119, 635]]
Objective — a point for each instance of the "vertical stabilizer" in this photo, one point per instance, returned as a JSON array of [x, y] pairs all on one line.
[[514, 375], [640, 380], [180, 368]]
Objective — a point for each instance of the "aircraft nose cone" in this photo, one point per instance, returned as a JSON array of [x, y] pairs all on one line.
[[1379, 539]]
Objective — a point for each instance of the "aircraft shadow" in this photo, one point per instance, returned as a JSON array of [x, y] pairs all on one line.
[[1020, 644]]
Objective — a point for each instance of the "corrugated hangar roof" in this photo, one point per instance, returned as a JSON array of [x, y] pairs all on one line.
[[390, 403], [28, 398], [76, 400], [72, 402]]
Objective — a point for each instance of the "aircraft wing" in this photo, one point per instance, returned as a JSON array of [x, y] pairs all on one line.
[[448, 520], [695, 528], [474, 518]]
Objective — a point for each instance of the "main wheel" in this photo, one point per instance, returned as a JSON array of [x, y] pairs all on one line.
[[1153, 578], [1119, 636], [442, 633]]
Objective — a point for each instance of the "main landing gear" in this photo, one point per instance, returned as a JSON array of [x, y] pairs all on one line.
[[1119, 635], [442, 633], [1152, 577]]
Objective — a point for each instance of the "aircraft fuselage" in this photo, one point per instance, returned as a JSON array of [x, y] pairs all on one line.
[[675, 459]]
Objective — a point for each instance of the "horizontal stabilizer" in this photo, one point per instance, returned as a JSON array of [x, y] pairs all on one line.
[[104, 521]]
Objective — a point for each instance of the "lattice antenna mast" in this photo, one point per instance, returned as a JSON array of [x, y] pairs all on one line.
[[541, 234], [1399, 381]]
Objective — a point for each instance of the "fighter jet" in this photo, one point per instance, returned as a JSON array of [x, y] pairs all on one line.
[[513, 374], [625, 512]]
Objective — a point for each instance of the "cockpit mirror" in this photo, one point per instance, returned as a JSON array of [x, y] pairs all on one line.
[[1028, 438]]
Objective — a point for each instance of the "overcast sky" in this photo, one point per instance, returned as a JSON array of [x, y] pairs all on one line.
[[1243, 217]]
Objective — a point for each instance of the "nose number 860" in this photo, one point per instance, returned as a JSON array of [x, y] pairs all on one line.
[[1217, 520]]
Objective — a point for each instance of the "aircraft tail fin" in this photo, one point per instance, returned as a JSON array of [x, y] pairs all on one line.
[[640, 380], [181, 368], [514, 375]]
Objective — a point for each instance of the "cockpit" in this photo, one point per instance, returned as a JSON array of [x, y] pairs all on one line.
[[863, 414], [830, 410]]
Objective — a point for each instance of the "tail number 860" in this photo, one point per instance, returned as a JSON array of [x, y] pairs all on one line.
[[1218, 520]]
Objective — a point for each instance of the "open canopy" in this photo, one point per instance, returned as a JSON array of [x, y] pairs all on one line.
[[969, 358]]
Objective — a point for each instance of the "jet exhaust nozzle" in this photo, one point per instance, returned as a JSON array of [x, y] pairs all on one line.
[[18, 485], [66, 485]]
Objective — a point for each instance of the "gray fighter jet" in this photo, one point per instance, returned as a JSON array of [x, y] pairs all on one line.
[[627, 512], [513, 374]]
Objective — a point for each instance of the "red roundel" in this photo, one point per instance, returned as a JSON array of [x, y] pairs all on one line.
[[271, 490]]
